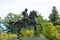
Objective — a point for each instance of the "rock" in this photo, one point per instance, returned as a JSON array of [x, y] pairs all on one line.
[[35, 38], [28, 38], [32, 39]]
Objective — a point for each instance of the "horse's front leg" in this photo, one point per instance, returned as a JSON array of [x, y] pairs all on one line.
[[40, 26], [36, 32]]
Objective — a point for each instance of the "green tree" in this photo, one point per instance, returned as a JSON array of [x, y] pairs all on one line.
[[40, 19], [11, 18], [54, 16], [49, 31], [58, 21], [0, 22]]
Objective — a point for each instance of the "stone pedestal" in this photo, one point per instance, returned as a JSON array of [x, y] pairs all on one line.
[[39, 38]]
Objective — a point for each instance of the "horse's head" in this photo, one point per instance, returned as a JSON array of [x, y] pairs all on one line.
[[33, 14]]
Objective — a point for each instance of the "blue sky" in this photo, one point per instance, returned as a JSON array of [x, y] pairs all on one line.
[[44, 7]]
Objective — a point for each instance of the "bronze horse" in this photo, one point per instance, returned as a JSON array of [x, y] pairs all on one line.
[[31, 21]]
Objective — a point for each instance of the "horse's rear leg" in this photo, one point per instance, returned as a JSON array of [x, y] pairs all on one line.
[[18, 34]]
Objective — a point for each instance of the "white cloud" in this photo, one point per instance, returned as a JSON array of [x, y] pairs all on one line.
[[17, 6]]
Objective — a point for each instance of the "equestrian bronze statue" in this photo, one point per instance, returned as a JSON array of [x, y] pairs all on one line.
[[26, 21]]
